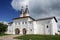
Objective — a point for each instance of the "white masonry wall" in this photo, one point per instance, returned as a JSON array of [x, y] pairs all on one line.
[[10, 29], [34, 27], [54, 27], [42, 27], [19, 24]]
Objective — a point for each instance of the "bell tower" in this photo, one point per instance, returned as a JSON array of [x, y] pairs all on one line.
[[22, 12], [26, 13]]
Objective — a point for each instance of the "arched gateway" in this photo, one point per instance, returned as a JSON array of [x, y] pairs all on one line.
[[24, 30], [17, 31]]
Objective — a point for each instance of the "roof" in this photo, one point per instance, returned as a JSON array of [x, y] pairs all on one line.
[[37, 19], [24, 17], [47, 19], [10, 22]]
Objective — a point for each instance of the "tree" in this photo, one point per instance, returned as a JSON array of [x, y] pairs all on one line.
[[3, 28]]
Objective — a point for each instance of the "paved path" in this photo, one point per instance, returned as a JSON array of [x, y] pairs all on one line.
[[9, 37]]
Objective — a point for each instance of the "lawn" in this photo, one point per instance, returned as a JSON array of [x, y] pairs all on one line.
[[4, 34], [38, 37]]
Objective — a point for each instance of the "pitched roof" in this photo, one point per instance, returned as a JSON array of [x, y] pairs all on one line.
[[10, 22], [24, 17], [47, 19], [37, 19]]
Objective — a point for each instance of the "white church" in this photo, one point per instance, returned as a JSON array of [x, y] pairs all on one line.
[[25, 24]]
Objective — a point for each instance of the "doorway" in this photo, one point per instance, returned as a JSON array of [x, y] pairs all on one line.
[[17, 31], [24, 30]]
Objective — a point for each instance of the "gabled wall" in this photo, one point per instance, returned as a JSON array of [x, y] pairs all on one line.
[[40, 27], [28, 26], [54, 27]]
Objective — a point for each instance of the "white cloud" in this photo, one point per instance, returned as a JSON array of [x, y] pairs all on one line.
[[16, 4], [39, 8]]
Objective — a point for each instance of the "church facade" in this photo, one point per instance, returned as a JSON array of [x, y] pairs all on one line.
[[25, 24]]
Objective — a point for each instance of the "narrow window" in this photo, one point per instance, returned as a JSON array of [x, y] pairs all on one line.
[[19, 23], [47, 26], [22, 22], [30, 22], [25, 22], [30, 29]]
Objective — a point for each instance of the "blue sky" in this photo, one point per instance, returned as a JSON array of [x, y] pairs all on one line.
[[7, 13]]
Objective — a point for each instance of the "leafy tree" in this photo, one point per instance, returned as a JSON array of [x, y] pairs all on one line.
[[3, 28]]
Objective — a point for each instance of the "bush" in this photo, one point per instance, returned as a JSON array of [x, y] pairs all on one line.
[[3, 28]]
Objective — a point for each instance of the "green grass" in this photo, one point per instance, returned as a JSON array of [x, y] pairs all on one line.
[[39, 37], [4, 34]]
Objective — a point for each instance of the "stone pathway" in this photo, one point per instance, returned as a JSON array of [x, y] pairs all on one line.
[[9, 37]]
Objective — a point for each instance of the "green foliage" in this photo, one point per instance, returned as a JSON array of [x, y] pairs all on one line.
[[3, 28], [39, 37]]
